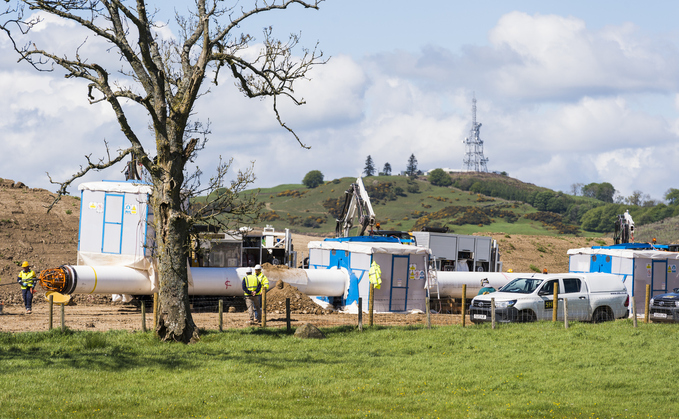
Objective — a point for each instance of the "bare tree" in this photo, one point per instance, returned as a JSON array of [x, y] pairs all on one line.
[[165, 79], [576, 188]]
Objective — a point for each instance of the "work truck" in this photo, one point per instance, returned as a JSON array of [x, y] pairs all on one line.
[[591, 297]]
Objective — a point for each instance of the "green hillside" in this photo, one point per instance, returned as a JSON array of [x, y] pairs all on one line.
[[402, 204]]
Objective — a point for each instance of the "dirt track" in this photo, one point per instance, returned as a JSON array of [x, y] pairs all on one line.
[[103, 317]]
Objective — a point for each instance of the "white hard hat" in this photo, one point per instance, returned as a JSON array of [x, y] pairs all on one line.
[[258, 267], [248, 271]]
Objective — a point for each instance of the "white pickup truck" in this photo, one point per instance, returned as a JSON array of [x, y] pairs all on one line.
[[591, 297]]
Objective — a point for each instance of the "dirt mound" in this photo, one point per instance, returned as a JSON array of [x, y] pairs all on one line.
[[299, 302], [28, 232]]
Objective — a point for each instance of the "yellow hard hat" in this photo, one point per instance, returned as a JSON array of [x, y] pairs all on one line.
[[510, 270], [25, 264]]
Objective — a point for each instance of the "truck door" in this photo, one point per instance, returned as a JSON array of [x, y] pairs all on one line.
[[546, 294], [578, 299]]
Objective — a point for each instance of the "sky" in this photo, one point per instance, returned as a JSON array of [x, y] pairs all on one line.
[[567, 93]]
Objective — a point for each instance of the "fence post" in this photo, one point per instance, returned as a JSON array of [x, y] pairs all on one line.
[[371, 304], [634, 313], [648, 297], [287, 313], [221, 315], [565, 312], [360, 314], [426, 301], [263, 307], [63, 320], [555, 305], [155, 310], [464, 303], [492, 312], [51, 310], [143, 316]]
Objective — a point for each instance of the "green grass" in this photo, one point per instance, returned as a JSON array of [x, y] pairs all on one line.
[[516, 371]]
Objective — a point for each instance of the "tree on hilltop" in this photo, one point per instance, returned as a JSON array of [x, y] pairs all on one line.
[[313, 179], [369, 169], [411, 168], [164, 78]]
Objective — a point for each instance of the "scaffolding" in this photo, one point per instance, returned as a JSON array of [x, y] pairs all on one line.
[[473, 145]]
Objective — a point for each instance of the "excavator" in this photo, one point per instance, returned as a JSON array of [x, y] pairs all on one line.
[[356, 203], [624, 229]]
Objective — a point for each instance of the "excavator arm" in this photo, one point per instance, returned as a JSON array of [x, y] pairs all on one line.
[[356, 203]]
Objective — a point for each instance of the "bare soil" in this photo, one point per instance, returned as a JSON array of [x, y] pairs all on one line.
[[49, 239]]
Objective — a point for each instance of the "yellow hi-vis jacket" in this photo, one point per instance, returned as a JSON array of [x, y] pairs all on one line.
[[375, 275], [27, 279], [264, 281], [251, 283]]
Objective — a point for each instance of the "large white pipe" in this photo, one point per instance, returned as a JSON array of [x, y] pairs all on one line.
[[83, 279], [450, 283]]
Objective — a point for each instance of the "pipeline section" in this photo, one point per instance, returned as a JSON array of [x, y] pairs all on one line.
[[84, 279]]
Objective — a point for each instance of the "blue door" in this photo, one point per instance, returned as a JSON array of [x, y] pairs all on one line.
[[112, 236], [600, 263], [398, 296]]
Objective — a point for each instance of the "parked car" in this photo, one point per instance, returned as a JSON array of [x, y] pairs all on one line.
[[665, 307], [591, 297]]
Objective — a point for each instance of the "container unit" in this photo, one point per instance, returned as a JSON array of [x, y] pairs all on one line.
[[455, 252], [115, 223], [404, 270], [637, 264]]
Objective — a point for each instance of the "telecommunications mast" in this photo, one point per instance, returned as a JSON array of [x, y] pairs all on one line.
[[473, 146]]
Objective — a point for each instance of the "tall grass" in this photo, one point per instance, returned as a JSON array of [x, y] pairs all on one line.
[[515, 371]]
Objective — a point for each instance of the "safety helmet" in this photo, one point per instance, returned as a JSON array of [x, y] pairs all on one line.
[[258, 267], [25, 264], [248, 271]]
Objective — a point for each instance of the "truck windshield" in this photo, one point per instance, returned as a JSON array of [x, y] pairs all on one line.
[[522, 285]]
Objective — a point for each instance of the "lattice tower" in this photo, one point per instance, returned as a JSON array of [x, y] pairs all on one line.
[[473, 147]]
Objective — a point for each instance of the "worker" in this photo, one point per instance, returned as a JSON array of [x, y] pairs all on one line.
[[252, 287], [261, 278], [485, 287], [27, 279], [375, 275]]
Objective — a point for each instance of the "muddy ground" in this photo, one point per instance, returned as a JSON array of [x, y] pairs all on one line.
[[49, 239]]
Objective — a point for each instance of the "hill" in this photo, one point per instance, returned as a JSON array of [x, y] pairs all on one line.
[[404, 204]]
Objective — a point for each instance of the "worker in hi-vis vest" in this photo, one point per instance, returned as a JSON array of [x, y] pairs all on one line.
[[262, 278], [27, 280], [251, 288], [375, 275]]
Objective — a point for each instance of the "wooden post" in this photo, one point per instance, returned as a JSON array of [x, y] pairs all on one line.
[[360, 314], [263, 307], [143, 316], [555, 305], [464, 303], [371, 304], [155, 310], [51, 310], [634, 313], [221, 315], [287, 313], [648, 297], [565, 313], [63, 320], [492, 312], [426, 302]]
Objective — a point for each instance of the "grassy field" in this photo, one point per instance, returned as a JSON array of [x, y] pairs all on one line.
[[536, 370]]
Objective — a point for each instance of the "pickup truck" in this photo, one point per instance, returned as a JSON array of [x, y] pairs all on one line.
[[592, 297], [665, 307]]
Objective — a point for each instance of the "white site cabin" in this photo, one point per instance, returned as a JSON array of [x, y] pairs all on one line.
[[404, 270]]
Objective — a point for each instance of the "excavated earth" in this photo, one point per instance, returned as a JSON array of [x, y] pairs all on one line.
[[49, 239]]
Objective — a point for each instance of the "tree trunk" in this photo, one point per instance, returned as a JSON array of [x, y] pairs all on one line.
[[174, 312]]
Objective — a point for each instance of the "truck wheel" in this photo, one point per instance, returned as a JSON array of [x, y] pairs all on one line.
[[526, 316], [601, 315]]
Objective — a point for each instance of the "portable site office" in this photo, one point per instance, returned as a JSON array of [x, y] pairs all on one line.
[[404, 270], [114, 223], [638, 264]]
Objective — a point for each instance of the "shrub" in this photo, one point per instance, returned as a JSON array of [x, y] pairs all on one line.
[[438, 177], [313, 179]]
